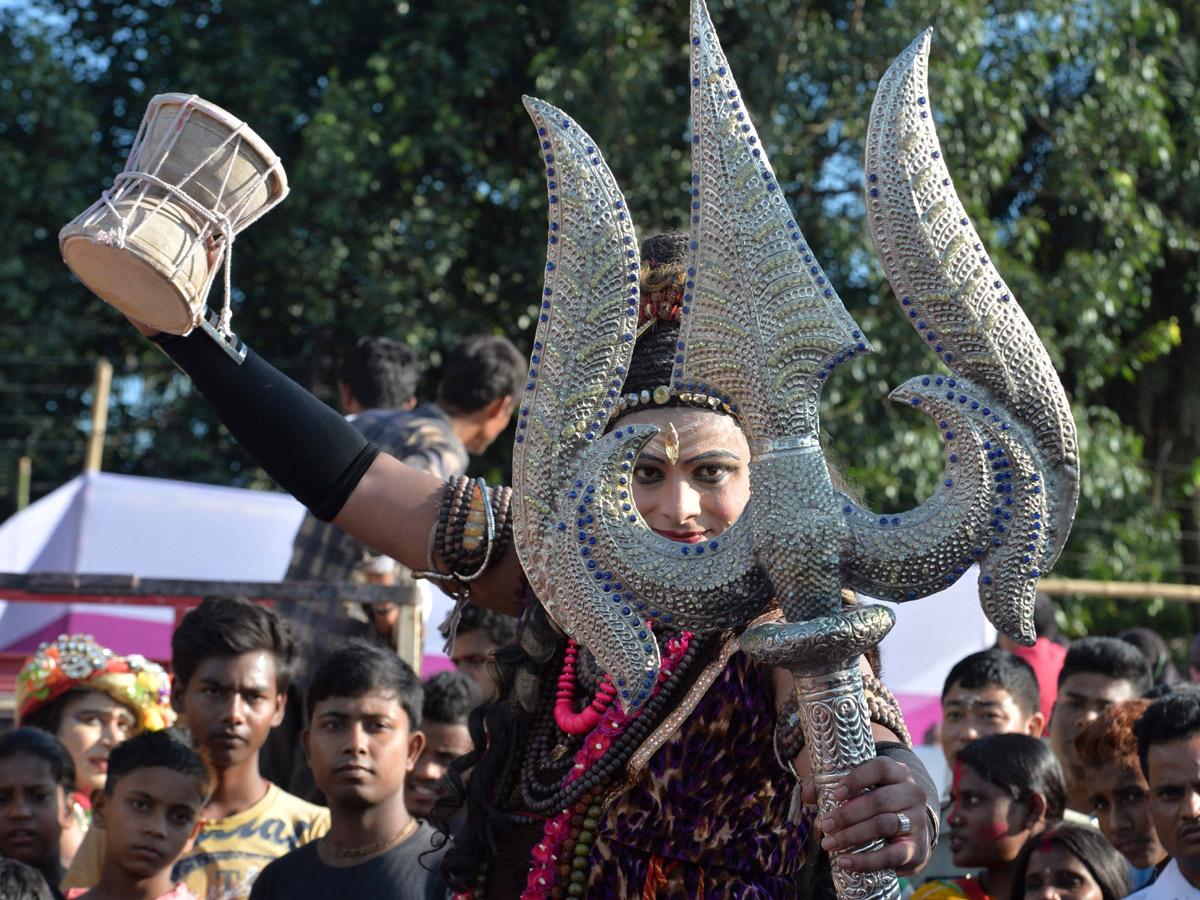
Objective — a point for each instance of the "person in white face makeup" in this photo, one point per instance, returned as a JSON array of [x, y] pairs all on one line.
[[690, 483]]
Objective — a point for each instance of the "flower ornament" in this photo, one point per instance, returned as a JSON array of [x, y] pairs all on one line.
[[77, 661]]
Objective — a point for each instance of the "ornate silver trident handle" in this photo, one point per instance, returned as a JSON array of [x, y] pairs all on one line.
[[763, 329]]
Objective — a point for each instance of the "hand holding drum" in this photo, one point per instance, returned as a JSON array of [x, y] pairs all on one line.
[[195, 174]]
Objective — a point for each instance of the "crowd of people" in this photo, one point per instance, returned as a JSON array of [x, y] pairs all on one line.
[[1106, 805], [120, 783], [179, 808]]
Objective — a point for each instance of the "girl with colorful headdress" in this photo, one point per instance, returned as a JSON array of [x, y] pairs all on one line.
[[91, 699]]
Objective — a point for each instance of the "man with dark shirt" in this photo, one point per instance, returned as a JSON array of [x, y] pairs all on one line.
[[365, 709], [481, 377]]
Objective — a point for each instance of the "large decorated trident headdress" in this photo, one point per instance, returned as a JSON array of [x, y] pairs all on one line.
[[762, 330]]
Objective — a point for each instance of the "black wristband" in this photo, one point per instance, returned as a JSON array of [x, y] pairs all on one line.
[[314, 453], [902, 753]]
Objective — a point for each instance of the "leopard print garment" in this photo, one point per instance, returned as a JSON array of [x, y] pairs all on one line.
[[710, 810]]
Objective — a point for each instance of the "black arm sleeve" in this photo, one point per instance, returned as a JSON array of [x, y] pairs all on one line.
[[314, 453], [900, 753]]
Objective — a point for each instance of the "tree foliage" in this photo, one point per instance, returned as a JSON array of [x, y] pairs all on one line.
[[418, 208]]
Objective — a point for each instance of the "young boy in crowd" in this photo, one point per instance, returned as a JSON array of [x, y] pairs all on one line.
[[449, 699], [37, 777], [231, 660], [1097, 672], [1168, 739], [364, 710], [1108, 751], [149, 811], [989, 692]]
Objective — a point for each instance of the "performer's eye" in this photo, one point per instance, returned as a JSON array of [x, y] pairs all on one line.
[[713, 473], [647, 474]]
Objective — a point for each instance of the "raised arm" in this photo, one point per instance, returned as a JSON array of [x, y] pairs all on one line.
[[318, 457]]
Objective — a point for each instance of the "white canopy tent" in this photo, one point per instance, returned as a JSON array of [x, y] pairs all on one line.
[[100, 523]]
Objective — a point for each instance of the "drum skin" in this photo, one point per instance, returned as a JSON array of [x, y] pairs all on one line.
[[158, 277], [230, 178]]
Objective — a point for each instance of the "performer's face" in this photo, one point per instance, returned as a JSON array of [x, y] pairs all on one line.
[[92, 724], [693, 492]]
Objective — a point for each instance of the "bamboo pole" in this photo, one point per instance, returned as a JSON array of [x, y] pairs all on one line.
[[1125, 590], [24, 478], [95, 442]]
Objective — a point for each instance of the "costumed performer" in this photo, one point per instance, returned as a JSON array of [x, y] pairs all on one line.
[[704, 807]]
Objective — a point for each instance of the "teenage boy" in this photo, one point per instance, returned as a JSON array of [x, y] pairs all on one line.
[[1108, 751], [232, 660], [364, 709], [1097, 672], [449, 699], [989, 692], [149, 811], [1168, 737]]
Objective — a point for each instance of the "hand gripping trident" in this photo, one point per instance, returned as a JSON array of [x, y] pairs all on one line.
[[762, 330]]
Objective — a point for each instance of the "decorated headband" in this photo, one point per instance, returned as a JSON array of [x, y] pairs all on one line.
[[78, 661]]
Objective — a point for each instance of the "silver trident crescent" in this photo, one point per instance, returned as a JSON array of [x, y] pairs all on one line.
[[762, 330]]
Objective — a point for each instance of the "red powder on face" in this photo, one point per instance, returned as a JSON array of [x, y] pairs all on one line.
[[994, 832], [983, 832], [955, 778]]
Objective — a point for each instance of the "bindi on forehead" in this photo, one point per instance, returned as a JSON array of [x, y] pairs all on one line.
[[687, 442]]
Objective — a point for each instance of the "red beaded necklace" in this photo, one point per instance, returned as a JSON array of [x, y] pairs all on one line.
[[564, 714]]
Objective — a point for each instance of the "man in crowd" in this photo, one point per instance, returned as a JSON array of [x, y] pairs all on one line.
[[1168, 739], [990, 692], [986, 693], [479, 634], [449, 699], [365, 709], [1097, 672], [1108, 751], [480, 381]]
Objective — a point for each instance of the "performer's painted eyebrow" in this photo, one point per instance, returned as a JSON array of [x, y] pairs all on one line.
[[708, 455]]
